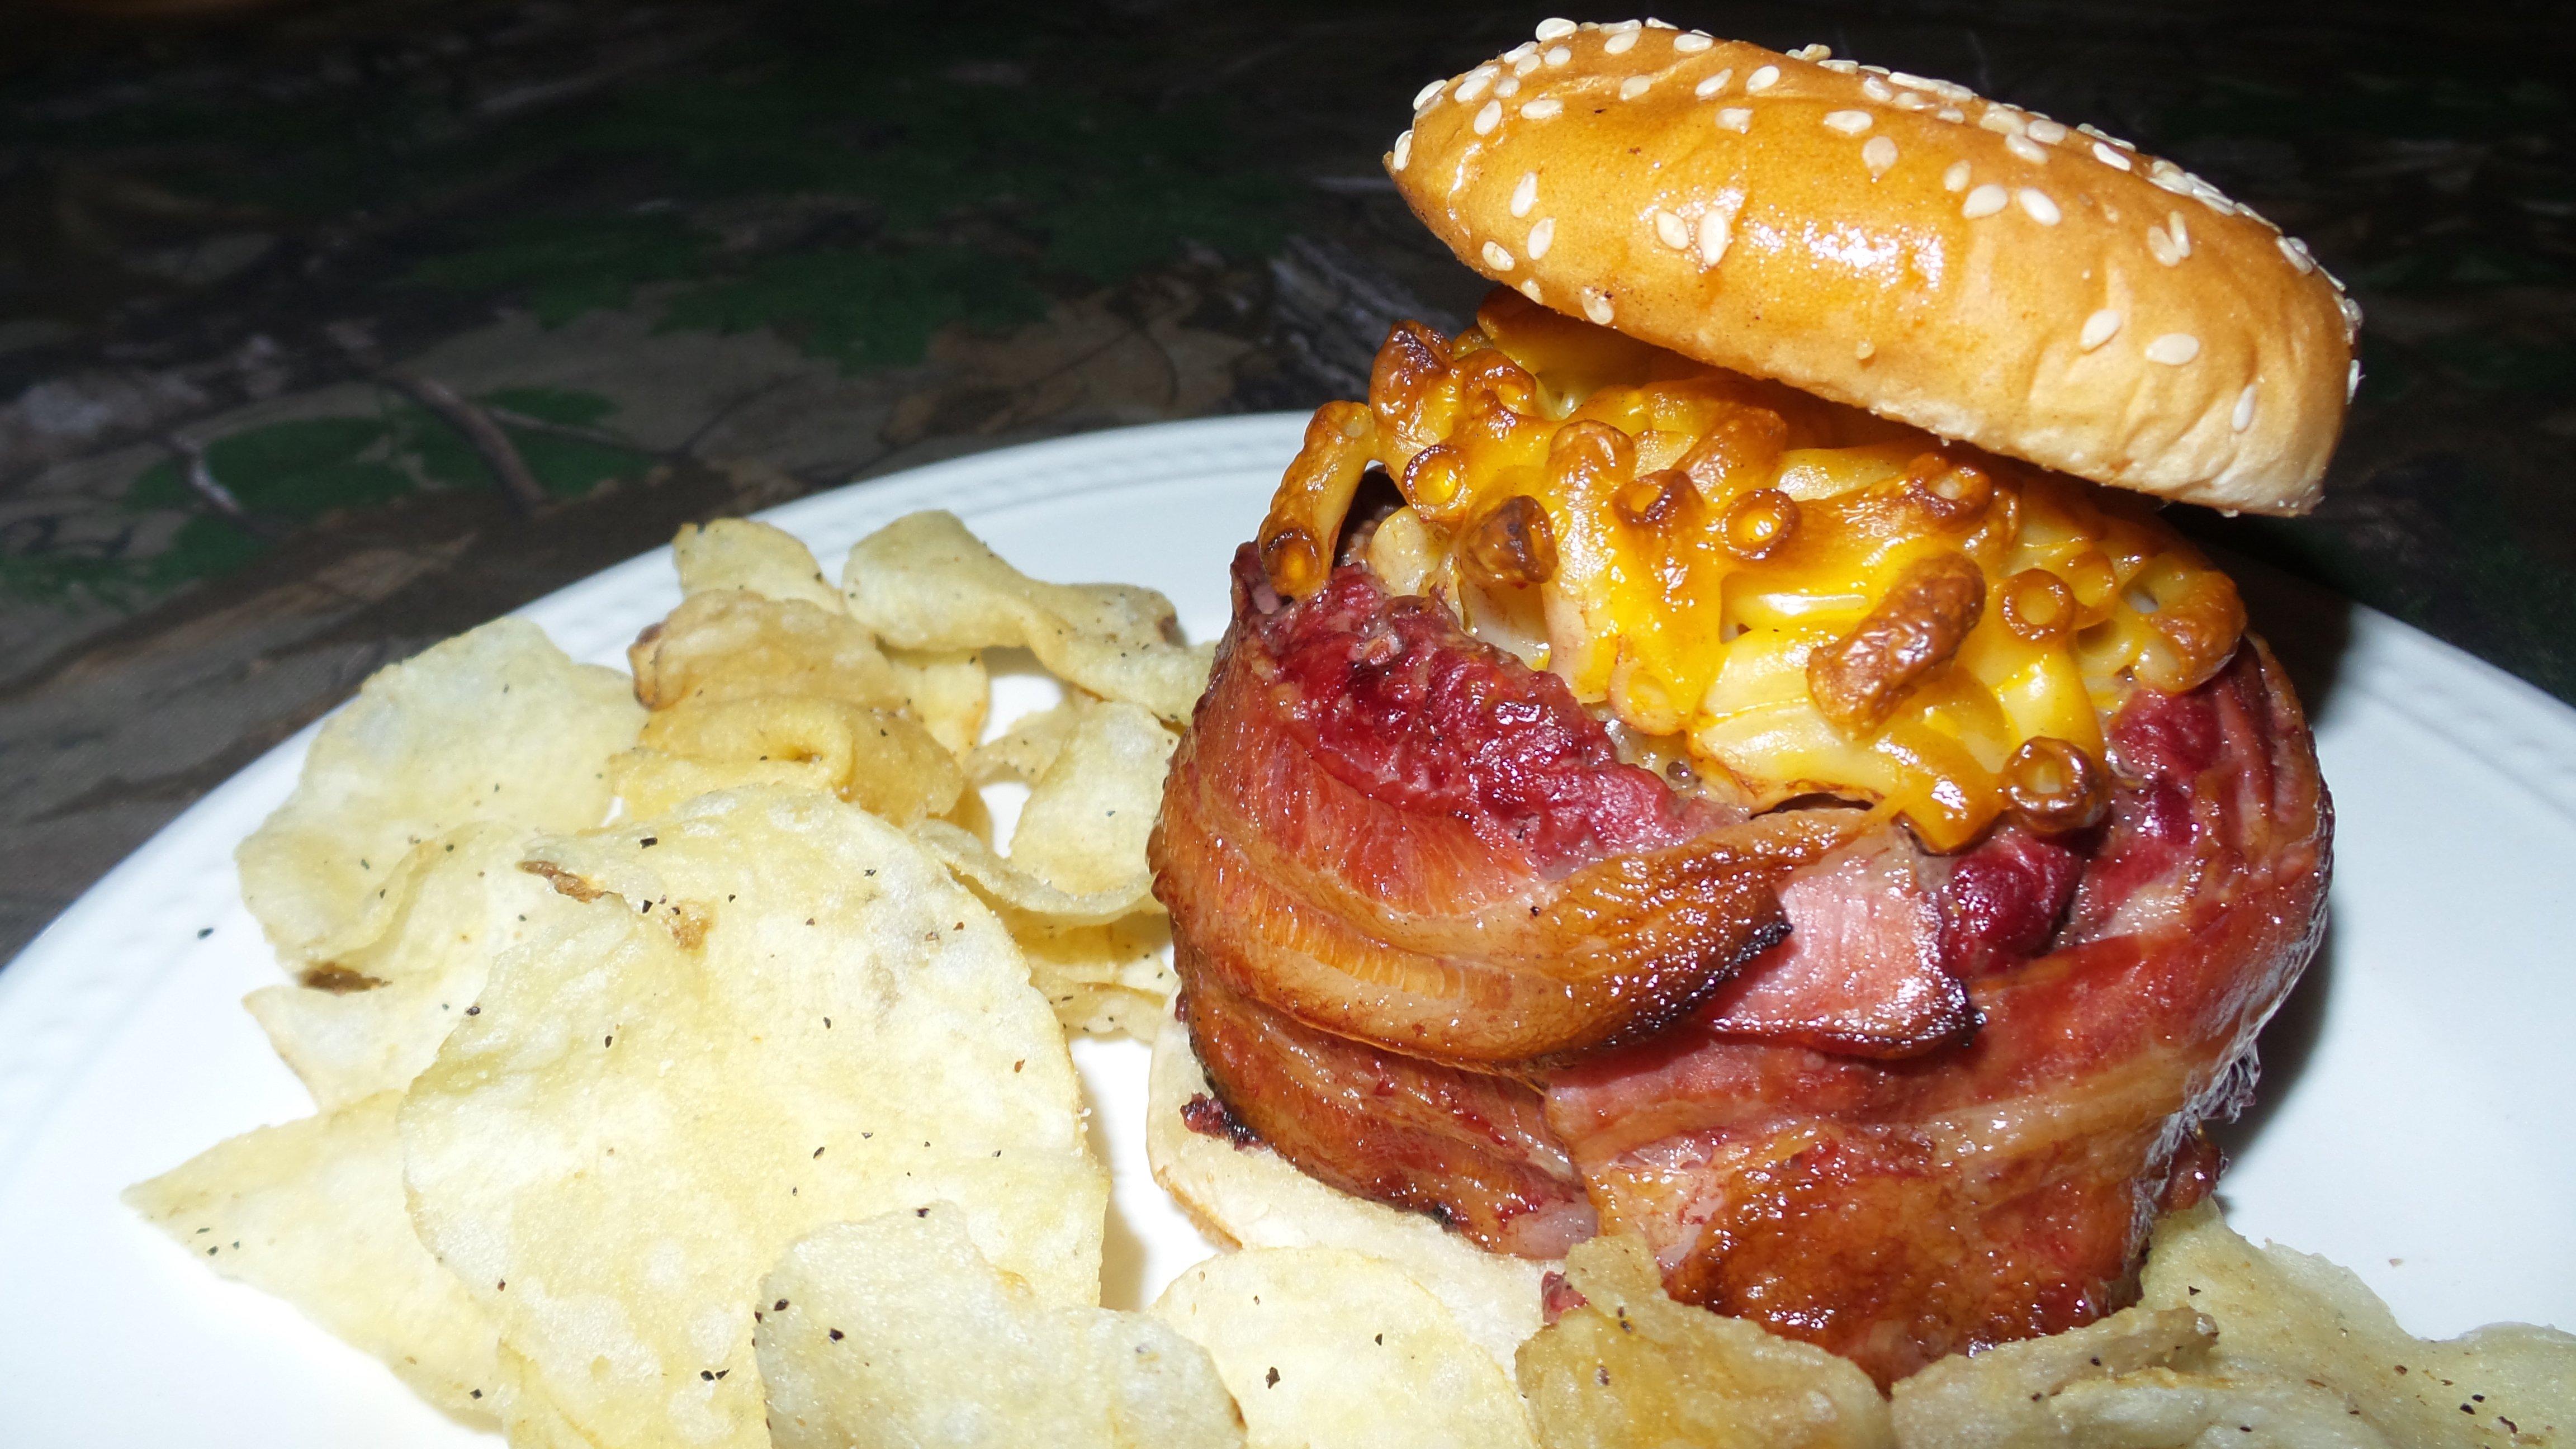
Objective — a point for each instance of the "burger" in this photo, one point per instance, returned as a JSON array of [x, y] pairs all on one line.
[[1725, 749]]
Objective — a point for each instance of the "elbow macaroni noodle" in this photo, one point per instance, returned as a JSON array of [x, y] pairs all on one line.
[[1721, 565]]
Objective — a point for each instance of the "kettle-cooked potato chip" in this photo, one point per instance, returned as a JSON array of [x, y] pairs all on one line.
[[494, 724], [924, 582], [1102, 980], [876, 759], [730, 644], [312, 1211], [896, 1334], [738, 553], [368, 1019], [948, 690], [2300, 1318], [1632, 1369], [1326, 1348], [1252, 1196], [773, 1012]]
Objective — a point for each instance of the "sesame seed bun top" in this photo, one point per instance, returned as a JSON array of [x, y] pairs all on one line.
[[1899, 244]]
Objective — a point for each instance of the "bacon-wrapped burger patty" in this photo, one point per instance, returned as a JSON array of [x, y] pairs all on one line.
[[1638, 793]]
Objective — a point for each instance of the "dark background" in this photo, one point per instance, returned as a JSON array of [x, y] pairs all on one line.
[[328, 329]]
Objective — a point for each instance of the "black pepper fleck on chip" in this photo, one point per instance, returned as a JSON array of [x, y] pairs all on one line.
[[835, 1334], [204, 931], [779, 1307], [1271, 1380]]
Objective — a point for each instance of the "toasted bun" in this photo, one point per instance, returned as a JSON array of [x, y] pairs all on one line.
[[1897, 244]]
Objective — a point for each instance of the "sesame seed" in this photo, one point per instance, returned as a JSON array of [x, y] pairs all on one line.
[[2243, 417], [2351, 380], [2169, 176], [1619, 44], [1525, 64], [1692, 42], [1521, 52], [1541, 237], [1497, 258], [1510, 87], [1542, 108], [1671, 230], [1623, 27], [1488, 116], [1653, 24], [2027, 149], [1812, 52], [1956, 178], [1596, 305], [2180, 233], [1557, 55], [1911, 81], [1986, 200], [2351, 315], [1428, 96], [1878, 154], [1713, 84], [1840, 67], [1525, 195], [1913, 101], [1474, 85], [1735, 118], [1716, 229], [1996, 118], [1555, 27], [1952, 114], [2173, 349], [2098, 134], [1877, 90], [2038, 203], [2099, 328], [1763, 79], [1865, 350], [1634, 86], [2161, 246], [1403, 151], [1848, 123], [2046, 132], [2110, 156], [1529, 289]]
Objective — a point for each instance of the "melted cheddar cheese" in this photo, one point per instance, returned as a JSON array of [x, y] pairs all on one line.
[[1784, 595]]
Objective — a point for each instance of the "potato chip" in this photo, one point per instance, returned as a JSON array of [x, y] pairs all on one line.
[[772, 1012], [1324, 1348], [1006, 885], [530, 1420], [924, 582], [733, 645], [895, 1332], [948, 690], [1023, 752], [876, 759], [494, 724], [1252, 1196], [1090, 809], [1102, 980], [1632, 1369], [737, 553], [2010, 1395], [373, 1016], [2300, 1318], [312, 1211]]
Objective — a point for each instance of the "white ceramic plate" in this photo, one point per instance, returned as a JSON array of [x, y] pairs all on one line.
[[2411, 1126]]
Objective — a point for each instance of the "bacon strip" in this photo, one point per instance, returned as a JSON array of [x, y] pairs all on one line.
[[1442, 853], [1440, 948]]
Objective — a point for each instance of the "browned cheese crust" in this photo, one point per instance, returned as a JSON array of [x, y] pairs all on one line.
[[1898, 244]]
